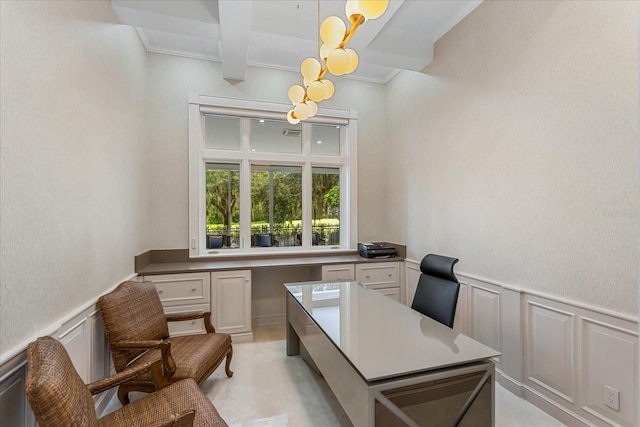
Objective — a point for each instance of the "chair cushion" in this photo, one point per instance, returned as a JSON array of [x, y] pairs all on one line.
[[195, 356], [162, 407]]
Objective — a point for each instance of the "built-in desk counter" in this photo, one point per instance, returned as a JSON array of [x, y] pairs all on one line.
[[171, 266], [242, 292]]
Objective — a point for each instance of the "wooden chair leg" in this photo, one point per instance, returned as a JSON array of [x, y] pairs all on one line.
[[123, 395], [185, 419], [228, 363]]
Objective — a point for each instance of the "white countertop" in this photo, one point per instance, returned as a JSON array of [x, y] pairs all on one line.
[[381, 337]]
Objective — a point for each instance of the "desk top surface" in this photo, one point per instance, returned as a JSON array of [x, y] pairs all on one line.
[[224, 263], [381, 337]]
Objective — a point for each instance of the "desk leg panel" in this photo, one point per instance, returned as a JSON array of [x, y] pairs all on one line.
[[346, 384]]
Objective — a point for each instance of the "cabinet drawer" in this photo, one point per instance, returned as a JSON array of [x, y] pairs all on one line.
[[338, 272], [182, 289], [382, 275], [187, 327], [393, 293]]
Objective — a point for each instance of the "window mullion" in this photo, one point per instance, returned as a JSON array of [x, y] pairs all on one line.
[[271, 202], [306, 204], [245, 188], [307, 214]]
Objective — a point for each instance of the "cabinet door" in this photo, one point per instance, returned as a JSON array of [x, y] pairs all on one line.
[[378, 275], [231, 301], [182, 289], [338, 272]]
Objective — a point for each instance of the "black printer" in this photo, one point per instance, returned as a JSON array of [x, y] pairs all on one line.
[[377, 250]]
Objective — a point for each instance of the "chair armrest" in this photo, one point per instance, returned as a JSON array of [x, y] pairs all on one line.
[[130, 345], [206, 316], [185, 419], [178, 317], [163, 345], [123, 376]]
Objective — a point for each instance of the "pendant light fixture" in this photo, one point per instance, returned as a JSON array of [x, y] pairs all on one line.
[[335, 58]]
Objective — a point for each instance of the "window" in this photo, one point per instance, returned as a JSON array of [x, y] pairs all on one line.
[[276, 205], [222, 195], [259, 184]]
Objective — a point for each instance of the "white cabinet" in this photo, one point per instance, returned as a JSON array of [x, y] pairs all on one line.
[[381, 276], [338, 272], [231, 302], [183, 293], [393, 293]]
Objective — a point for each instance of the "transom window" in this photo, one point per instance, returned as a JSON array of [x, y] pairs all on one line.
[[259, 184]]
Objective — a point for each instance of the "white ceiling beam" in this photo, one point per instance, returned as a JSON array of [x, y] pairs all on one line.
[[184, 18], [235, 26], [392, 60], [368, 31]]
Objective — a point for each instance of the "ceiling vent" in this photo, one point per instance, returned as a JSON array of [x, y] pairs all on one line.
[[291, 132]]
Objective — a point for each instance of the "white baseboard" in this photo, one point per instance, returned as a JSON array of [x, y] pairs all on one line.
[[275, 319]]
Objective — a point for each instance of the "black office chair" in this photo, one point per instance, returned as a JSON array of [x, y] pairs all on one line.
[[437, 292]]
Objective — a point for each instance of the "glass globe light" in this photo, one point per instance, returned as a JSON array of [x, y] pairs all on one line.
[[329, 88], [291, 118], [352, 8], [372, 9], [310, 68], [332, 30], [325, 50], [296, 94], [313, 108], [353, 60], [338, 62], [316, 91], [301, 111]]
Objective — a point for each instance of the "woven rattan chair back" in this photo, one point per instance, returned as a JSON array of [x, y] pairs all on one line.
[[57, 394], [132, 312]]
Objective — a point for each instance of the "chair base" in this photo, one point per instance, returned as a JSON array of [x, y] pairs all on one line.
[[125, 389]]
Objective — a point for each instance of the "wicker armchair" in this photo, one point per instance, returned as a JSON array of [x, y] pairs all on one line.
[[137, 331], [59, 397]]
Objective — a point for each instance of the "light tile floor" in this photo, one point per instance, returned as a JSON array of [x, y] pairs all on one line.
[[270, 389]]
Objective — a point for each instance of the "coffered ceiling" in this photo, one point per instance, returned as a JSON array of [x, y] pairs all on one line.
[[281, 33]]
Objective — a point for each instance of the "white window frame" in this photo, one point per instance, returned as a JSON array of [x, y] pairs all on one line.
[[199, 155]]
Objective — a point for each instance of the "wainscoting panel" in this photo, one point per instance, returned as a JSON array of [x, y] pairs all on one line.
[[556, 353], [606, 348], [412, 275], [82, 334], [13, 401], [76, 341], [549, 350], [484, 319]]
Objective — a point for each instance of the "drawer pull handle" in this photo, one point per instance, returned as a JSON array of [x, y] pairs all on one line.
[[193, 322], [389, 274], [368, 277], [159, 292], [193, 290]]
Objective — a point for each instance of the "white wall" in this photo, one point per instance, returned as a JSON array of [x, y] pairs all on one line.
[[171, 79], [518, 148], [73, 168]]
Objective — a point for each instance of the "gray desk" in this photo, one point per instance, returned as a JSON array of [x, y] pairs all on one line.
[[387, 364]]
